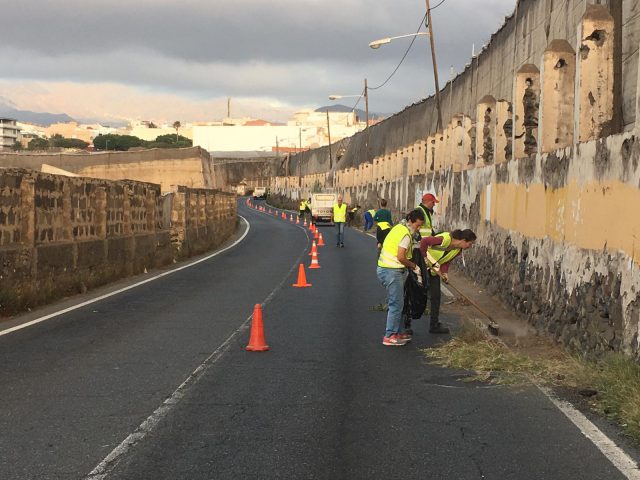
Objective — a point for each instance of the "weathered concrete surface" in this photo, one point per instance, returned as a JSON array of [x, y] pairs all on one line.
[[168, 167], [61, 235]]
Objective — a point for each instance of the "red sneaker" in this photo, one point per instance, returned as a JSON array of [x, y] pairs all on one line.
[[404, 336], [394, 341]]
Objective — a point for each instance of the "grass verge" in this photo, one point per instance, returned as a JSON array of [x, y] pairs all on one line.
[[611, 383]]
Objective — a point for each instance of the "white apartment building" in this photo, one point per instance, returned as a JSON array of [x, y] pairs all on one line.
[[9, 133]]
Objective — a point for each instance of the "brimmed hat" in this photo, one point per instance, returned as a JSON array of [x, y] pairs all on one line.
[[429, 196]]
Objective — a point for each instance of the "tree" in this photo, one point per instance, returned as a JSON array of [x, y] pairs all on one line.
[[177, 126], [117, 142], [62, 142], [71, 143], [170, 141], [38, 144], [17, 146]]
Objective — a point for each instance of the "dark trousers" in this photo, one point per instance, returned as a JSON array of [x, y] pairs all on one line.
[[434, 299]]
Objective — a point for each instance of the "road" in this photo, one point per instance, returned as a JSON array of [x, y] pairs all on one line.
[[328, 401]]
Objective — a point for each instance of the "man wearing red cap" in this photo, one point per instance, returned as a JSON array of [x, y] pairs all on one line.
[[428, 201]]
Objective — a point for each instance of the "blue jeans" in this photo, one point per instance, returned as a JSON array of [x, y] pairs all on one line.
[[393, 280], [368, 221], [340, 235]]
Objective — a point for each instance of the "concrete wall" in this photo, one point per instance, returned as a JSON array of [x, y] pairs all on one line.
[[191, 167], [539, 155], [61, 235]]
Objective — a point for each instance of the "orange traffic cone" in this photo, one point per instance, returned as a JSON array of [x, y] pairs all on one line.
[[305, 223], [314, 260], [316, 235], [302, 278], [313, 248], [312, 227], [256, 341], [320, 241], [291, 218], [298, 221]]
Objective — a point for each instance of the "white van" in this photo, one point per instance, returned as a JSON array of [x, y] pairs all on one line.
[[260, 192], [322, 207]]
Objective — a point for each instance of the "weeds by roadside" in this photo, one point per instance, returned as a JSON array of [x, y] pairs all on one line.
[[612, 382]]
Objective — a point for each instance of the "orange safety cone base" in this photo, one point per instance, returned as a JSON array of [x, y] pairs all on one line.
[[263, 348]]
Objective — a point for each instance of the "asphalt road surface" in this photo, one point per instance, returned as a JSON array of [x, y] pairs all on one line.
[[328, 401]]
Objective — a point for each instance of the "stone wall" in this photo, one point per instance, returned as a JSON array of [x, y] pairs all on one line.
[[255, 171], [169, 167], [61, 235], [539, 155]]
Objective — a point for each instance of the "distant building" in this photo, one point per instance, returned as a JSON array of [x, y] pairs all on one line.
[[9, 133], [85, 133], [307, 129]]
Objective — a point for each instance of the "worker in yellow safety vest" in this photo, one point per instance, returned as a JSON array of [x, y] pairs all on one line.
[[302, 208], [368, 219], [439, 251], [426, 206], [395, 257], [352, 215], [339, 217], [384, 223]]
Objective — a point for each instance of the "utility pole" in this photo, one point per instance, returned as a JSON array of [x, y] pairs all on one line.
[[228, 107], [329, 135], [277, 148], [300, 133], [435, 65], [366, 103]]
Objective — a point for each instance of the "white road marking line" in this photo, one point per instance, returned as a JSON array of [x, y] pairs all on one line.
[[102, 470], [618, 457], [124, 289]]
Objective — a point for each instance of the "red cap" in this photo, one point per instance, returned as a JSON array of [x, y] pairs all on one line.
[[429, 196]]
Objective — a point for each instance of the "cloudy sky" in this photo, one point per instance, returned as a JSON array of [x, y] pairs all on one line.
[[166, 60]]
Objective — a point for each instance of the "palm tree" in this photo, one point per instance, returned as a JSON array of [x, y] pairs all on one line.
[[177, 126]]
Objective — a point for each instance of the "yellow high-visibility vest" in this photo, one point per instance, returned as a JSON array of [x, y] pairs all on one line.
[[389, 254], [438, 255], [303, 205], [340, 212], [384, 225], [426, 230]]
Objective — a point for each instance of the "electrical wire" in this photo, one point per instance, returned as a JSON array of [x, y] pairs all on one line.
[[423, 21], [433, 8], [405, 53]]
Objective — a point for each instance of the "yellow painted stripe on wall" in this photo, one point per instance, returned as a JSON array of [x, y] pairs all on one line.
[[594, 216]]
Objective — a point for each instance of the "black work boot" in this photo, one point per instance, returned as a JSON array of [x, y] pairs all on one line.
[[438, 328]]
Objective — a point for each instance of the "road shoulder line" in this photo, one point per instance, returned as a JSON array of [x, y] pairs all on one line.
[[128, 287]]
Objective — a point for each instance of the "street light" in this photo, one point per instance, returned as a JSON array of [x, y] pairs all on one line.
[[366, 101], [377, 43], [383, 41]]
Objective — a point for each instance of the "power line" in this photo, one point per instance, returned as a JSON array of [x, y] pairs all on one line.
[[433, 8], [422, 22], [406, 52]]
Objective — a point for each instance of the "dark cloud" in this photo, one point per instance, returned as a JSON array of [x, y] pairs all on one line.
[[293, 50]]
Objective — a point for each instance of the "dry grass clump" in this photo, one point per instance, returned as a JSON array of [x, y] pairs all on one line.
[[614, 379]]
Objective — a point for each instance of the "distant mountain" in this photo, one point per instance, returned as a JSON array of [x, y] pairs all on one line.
[[343, 108], [7, 109]]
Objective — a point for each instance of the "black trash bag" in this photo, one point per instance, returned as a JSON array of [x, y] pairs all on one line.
[[415, 293]]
